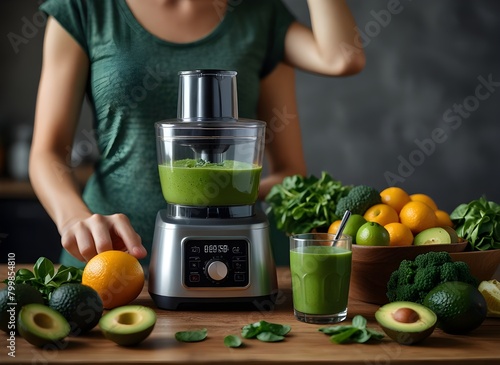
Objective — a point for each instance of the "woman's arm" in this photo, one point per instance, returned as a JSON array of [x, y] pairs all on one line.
[[332, 47], [60, 95], [277, 106]]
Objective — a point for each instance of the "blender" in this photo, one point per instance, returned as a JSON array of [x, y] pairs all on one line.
[[211, 246]]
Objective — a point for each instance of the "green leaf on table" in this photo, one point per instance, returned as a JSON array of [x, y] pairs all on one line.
[[232, 341], [359, 322], [265, 331], [191, 336], [269, 337], [344, 336], [357, 332]]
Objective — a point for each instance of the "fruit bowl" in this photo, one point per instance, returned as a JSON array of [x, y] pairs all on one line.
[[482, 264], [373, 265]]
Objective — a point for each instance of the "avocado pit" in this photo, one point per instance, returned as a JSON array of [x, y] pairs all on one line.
[[405, 315]]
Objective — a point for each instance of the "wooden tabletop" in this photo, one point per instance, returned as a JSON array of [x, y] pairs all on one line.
[[303, 345]]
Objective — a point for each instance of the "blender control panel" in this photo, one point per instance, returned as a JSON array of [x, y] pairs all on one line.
[[215, 263]]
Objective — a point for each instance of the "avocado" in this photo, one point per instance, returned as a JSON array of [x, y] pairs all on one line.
[[460, 307], [79, 304], [12, 299], [430, 236], [128, 325], [406, 322], [453, 234], [41, 325]]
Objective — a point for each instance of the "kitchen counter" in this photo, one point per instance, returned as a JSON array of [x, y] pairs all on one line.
[[303, 345]]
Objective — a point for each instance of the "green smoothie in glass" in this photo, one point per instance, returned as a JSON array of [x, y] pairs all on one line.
[[320, 280]]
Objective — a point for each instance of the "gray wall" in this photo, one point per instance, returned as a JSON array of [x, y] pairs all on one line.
[[418, 107]]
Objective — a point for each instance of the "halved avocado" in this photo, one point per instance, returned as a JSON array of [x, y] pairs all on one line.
[[406, 322], [430, 236], [128, 325], [453, 234], [41, 325], [21, 295]]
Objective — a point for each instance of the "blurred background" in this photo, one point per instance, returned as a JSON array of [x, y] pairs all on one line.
[[423, 115]]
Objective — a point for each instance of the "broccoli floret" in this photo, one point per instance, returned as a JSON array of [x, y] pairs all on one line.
[[406, 272], [464, 274], [425, 279], [449, 272], [432, 259], [414, 279], [358, 200]]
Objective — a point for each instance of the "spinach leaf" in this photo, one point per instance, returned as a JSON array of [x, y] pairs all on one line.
[[479, 223], [357, 332], [300, 204], [265, 331], [46, 278], [232, 341], [269, 337], [191, 336]]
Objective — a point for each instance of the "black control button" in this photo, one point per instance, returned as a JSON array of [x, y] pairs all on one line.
[[238, 265], [194, 278], [194, 265], [239, 277], [195, 249]]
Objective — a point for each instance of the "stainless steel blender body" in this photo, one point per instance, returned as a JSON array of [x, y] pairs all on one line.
[[210, 246]]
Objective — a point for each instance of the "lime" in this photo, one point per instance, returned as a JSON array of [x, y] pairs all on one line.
[[352, 225], [372, 234], [460, 307]]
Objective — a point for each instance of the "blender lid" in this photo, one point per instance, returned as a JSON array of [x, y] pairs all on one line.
[[206, 95]]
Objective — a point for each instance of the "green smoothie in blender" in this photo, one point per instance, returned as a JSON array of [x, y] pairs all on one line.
[[200, 183]]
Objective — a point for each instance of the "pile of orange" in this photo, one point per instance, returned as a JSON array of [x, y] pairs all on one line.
[[404, 215], [117, 276]]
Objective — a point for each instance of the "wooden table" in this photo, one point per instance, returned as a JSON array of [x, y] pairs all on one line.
[[304, 344]]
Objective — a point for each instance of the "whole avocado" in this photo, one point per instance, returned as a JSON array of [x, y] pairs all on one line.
[[460, 307], [79, 304], [19, 295]]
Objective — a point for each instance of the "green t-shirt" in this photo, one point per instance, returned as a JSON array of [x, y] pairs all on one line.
[[133, 82]]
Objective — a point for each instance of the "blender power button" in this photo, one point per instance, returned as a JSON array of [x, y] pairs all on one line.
[[217, 270]]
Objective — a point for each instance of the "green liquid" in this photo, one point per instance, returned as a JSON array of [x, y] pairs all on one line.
[[320, 279], [187, 182]]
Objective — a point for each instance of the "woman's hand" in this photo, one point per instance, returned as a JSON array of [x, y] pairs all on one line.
[[87, 237]]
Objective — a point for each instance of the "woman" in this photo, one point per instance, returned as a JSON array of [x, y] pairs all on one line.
[[125, 56]]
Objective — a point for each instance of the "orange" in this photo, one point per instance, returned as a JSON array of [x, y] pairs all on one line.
[[443, 218], [117, 277], [424, 199], [399, 234], [382, 214], [334, 227], [417, 216], [395, 197]]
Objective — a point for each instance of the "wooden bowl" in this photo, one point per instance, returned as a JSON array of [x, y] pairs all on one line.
[[373, 265], [482, 264]]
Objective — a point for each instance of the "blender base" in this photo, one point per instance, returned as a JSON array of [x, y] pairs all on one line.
[[216, 263]]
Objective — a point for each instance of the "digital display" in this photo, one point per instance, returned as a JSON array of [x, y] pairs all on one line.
[[215, 248]]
